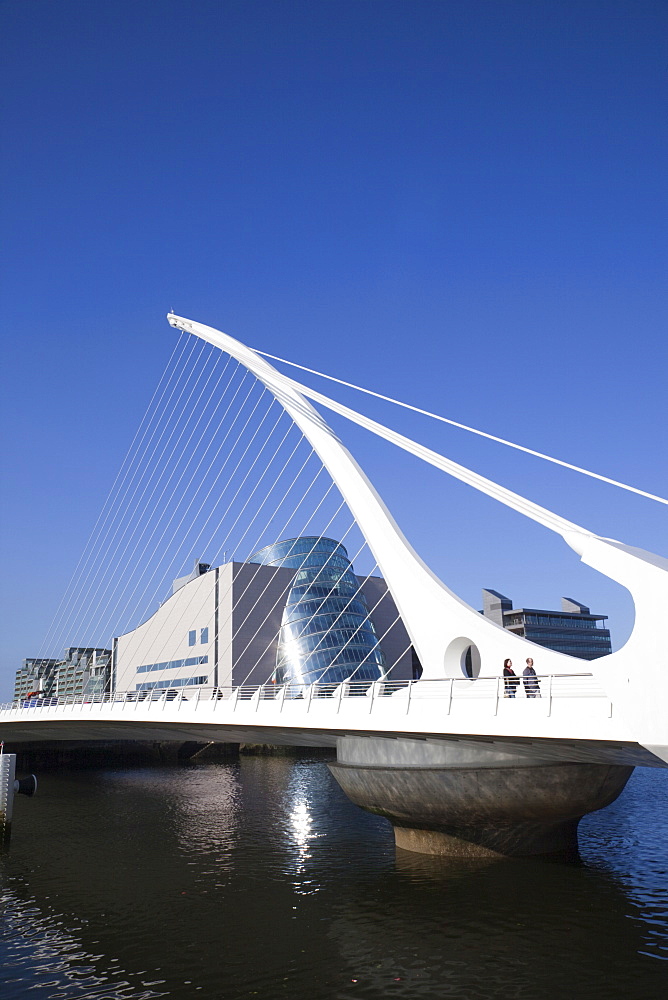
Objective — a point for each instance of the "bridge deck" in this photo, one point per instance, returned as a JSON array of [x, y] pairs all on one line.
[[573, 719]]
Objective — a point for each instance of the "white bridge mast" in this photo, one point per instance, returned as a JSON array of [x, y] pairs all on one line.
[[442, 626]]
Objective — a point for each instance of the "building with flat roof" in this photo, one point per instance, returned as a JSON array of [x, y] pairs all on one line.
[[574, 630]]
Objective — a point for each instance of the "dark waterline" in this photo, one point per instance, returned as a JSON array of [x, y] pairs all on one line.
[[259, 879]]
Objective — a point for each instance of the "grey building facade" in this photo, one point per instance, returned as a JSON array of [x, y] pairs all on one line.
[[34, 677], [83, 671]]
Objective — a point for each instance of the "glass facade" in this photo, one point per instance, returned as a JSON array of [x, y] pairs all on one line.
[[582, 637], [191, 661], [556, 621], [574, 630], [177, 682], [326, 633]]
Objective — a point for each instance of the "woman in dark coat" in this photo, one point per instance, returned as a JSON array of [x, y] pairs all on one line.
[[510, 679]]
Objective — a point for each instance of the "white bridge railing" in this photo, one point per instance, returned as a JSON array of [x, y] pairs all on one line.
[[488, 692]]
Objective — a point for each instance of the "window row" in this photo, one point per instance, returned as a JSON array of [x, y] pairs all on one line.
[[296, 546], [322, 623], [192, 661], [314, 590], [557, 622], [178, 682], [315, 561], [351, 654], [560, 637], [326, 574], [331, 639], [334, 605]]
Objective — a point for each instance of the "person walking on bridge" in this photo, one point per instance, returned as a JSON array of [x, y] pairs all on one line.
[[510, 679], [531, 682]]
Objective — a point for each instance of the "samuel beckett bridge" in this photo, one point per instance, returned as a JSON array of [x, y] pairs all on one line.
[[317, 624]]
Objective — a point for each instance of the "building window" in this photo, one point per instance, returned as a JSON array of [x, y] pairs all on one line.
[[204, 635], [191, 661], [179, 682], [192, 637]]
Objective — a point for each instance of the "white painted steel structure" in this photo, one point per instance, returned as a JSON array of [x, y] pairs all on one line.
[[574, 719], [609, 709]]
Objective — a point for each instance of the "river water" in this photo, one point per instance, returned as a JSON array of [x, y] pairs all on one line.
[[257, 878]]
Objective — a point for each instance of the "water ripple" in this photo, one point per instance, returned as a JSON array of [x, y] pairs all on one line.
[[259, 879]]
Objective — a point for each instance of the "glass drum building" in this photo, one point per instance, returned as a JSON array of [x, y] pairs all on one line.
[[326, 634]]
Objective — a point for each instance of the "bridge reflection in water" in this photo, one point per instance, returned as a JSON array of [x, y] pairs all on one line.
[[258, 877]]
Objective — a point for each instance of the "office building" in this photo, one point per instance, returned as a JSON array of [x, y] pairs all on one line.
[[574, 630]]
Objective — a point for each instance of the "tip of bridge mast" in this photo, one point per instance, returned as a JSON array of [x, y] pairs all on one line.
[[178, 322]]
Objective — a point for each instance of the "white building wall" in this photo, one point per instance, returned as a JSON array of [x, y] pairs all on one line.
[[251, 599], [163, 641]]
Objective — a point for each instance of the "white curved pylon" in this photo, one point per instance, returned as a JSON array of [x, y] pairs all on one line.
[[440, 624]]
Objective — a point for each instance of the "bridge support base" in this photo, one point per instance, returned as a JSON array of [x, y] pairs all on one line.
[[470, 801]]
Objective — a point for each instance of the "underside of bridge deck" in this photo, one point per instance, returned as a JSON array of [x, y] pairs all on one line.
[[82, 731]]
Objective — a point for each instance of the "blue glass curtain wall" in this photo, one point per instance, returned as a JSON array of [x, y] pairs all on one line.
[[326, 633]]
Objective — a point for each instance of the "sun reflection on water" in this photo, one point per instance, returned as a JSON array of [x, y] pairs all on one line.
[[302, 832]]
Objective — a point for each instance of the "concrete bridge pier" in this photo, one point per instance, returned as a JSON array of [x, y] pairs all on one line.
[[468, 801]]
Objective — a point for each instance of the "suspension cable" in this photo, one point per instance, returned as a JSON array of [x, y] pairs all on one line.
[[465, 427]]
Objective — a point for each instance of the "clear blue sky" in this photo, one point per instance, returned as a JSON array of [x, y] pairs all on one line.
[[462, 204]]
